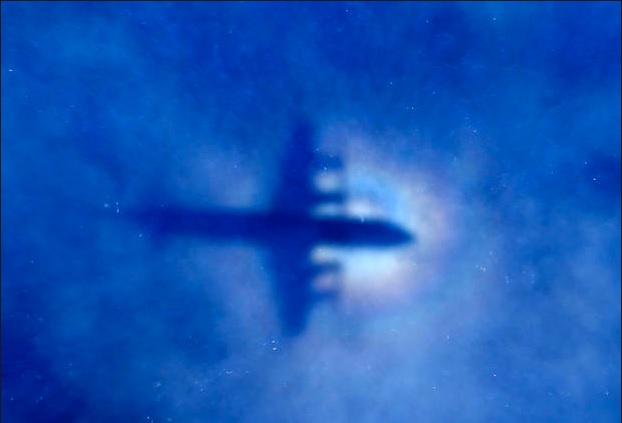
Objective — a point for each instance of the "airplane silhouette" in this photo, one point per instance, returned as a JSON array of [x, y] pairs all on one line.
[[288, 232]]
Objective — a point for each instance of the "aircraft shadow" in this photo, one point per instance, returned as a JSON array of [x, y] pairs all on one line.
[[287, 232]]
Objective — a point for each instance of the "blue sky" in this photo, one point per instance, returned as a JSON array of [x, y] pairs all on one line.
[[490, 130]]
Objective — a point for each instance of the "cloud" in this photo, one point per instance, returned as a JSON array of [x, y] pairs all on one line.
[[490, 131]]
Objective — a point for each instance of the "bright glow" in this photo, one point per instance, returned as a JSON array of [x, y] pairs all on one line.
[[416, 200]]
